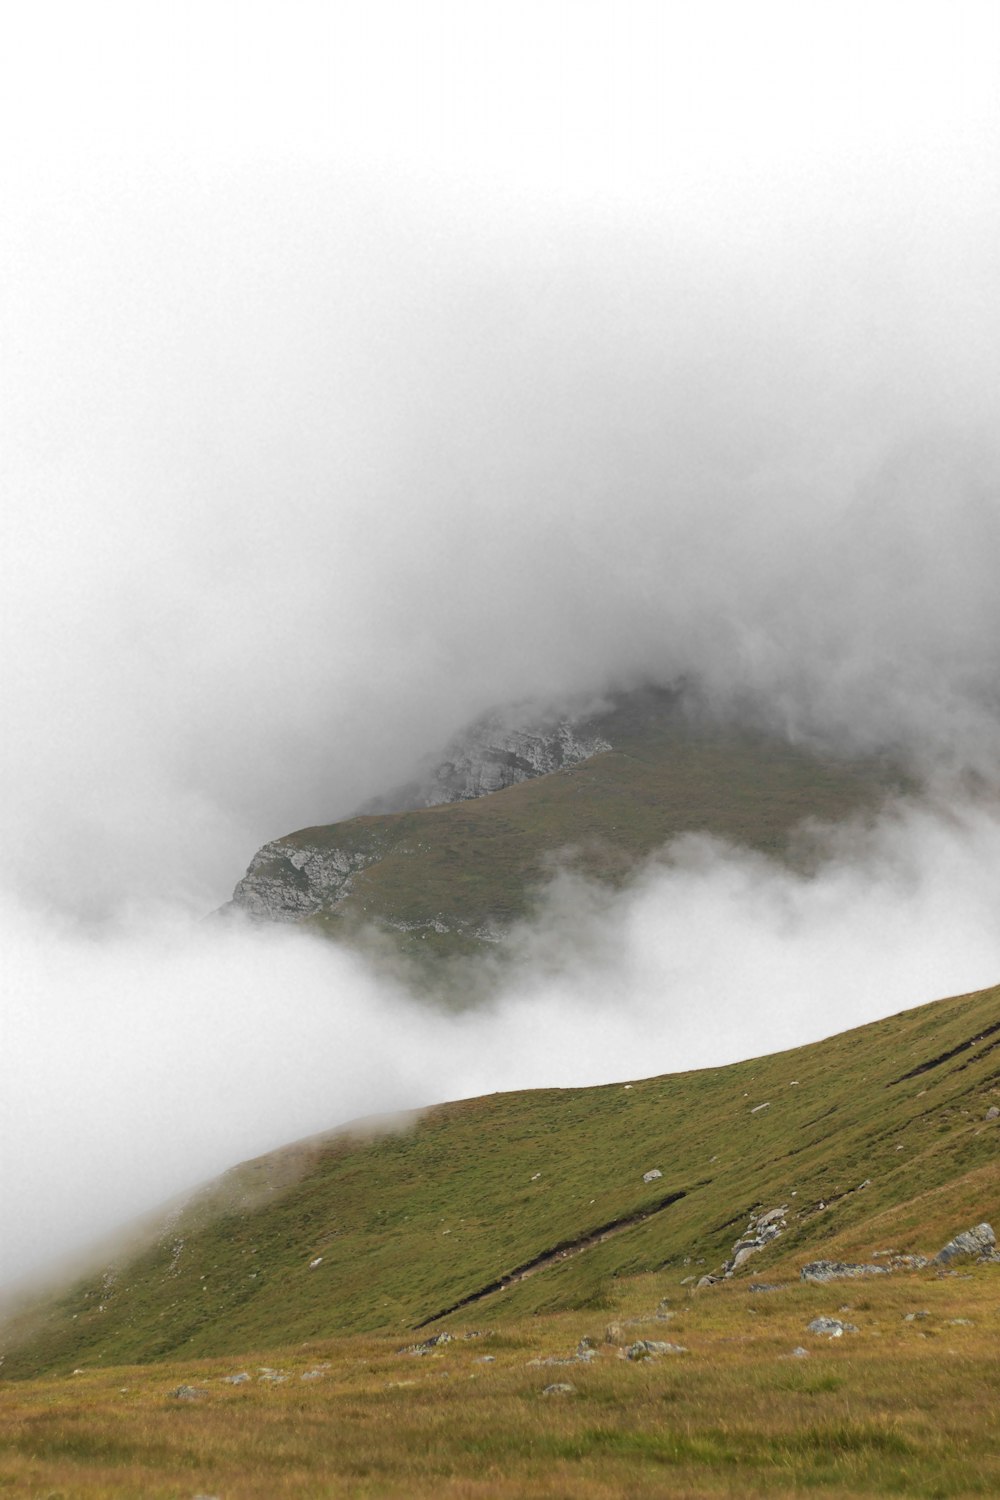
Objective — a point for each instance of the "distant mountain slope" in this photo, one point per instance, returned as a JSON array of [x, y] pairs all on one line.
[[883, 1138], [451, 878]]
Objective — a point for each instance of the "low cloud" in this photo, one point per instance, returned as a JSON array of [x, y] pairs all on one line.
[[137, 1064]]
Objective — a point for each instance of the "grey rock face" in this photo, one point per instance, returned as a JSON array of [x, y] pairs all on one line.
[[286, 882], [491, 757], [497, 751], [978, 1242]]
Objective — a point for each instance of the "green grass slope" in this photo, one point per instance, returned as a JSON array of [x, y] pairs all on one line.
[[535, 1202], [445, 875]]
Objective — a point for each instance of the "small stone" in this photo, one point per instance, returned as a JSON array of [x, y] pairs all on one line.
[[240, 1379], [652, 1176], [187, 1392], [428, 1345], [800, 1353], [993, 1113], [832, 1327], [652, 1349], [560, 1388]]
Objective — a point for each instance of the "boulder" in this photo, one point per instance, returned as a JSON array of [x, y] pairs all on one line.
[[978, 1243]]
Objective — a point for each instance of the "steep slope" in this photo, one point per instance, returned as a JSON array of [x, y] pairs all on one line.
[[488, 1209], [450, 879]]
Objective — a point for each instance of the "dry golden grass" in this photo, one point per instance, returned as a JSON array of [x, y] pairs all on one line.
[[898, 1408]]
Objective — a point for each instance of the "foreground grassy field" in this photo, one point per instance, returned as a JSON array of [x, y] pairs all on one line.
[[904, 1406]]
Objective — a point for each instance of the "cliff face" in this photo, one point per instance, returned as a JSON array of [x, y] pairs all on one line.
[[491, 756], [288, 882]]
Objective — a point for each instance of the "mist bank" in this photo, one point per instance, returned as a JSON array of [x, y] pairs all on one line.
[[139, 1064], [327, 468]]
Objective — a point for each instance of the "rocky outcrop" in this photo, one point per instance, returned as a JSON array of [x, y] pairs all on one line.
[[287, 882], [491, 758], [498, 751]]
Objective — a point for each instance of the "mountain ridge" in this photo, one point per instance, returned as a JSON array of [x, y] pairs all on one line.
[[449, 879]]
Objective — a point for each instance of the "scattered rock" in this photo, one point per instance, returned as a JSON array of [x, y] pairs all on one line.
[[585, 1352], [652, 1176], [317, 1262], [832, 1327], [764, 1286], [312, 1374], [560, 1388], [838, 1270], [913, 1316], [993, 1113], [959, 1323], [652, 1349], [979, 1242], [485, 1359], [241, 1379], [187, 1392], [799, 1353], [758, 1107], [761, 1229], [613, 1332], [427, 1345]]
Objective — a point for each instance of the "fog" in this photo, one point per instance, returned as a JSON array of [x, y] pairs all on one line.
[[363, 372]]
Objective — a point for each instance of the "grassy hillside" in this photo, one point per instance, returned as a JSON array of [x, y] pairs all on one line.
[[444, 876], [534, 1203]]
